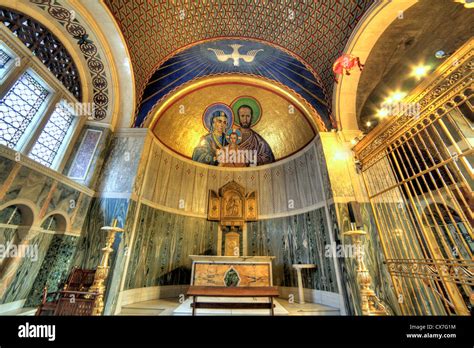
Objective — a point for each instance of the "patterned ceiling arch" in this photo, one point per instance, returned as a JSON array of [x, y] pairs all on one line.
[[82, 37], [46, 46], [316, 31]]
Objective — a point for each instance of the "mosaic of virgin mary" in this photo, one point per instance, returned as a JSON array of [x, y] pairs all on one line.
[[217, 119]]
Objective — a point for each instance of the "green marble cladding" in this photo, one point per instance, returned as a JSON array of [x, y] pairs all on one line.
[[35, 187], [28, 268], [88, 253], [28, 184], [121, 164], [101, 213], [295, 239], [374, 260], [162, 245], [165, 240], [6, 166], [54, 269]]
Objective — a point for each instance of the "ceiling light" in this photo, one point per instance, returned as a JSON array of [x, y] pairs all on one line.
[[368, 124], [397, 96], [382, 113], [341, 155], [420, 71]]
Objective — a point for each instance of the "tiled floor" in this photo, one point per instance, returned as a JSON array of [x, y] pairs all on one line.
[[167, 306]]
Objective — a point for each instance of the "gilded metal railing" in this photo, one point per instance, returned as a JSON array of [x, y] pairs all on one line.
[[457, 271], [418, 172]]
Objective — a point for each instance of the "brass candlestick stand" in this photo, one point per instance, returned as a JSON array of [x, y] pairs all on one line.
[[371, 304], [103, 269]]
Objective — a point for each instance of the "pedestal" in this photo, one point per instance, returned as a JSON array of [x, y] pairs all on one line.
[[298, 268]]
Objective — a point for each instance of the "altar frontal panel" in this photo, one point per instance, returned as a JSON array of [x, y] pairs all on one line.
[[231, 274]]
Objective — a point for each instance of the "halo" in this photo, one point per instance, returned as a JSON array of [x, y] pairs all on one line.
[[254, 105], [207, 116], [232, 130]]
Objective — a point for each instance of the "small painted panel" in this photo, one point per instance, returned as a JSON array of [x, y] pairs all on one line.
[[82, 161], [232, 244]]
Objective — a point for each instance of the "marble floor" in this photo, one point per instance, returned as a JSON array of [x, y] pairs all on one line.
[[171, 307]]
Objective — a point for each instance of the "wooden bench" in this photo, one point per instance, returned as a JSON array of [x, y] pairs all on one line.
[[222, 291]]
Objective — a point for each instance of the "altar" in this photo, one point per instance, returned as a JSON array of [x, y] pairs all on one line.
[[231, 270], [223, 274]]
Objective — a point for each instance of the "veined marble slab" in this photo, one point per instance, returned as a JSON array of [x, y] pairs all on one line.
[[249, 270], [220, 259]]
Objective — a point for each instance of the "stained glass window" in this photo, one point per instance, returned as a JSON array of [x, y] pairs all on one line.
[[21, 103], [49, 142], [5, 58]]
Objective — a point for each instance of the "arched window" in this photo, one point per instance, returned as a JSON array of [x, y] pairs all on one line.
[[37, 105], [22, 102], [52, 137]]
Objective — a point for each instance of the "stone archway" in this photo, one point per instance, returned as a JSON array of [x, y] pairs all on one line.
[[360, 44]]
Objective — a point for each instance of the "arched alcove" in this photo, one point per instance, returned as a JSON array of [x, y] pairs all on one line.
[[15, 235], [55, 222]]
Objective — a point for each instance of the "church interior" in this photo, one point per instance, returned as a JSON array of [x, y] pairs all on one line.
[[236, 158]]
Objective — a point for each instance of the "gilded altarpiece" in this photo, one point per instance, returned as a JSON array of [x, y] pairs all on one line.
[[232, 207]]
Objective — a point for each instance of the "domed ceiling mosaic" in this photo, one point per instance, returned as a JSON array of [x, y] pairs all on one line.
[[315, 31], [220, 81], [255, 76], [243, 57]]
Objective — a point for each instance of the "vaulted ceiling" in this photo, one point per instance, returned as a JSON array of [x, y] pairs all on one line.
[[314, 31], [408, 42]]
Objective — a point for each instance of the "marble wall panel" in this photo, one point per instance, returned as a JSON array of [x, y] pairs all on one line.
[[292, 240], [170, 178], [28, 268], [6, 167], [163, 243], [63, 198], [78, 217], [101, 213], [150, 179], [201, 191], [55, 268], [30, 185], [48, 194], [350, 289], [381, 280], [322, 164], [121, 164]]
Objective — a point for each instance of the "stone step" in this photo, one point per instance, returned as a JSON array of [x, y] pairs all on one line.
[[28, 311]]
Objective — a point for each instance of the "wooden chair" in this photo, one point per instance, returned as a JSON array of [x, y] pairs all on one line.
[[74, 299]]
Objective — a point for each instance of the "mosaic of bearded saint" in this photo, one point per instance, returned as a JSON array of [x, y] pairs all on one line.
[[251, 140]]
